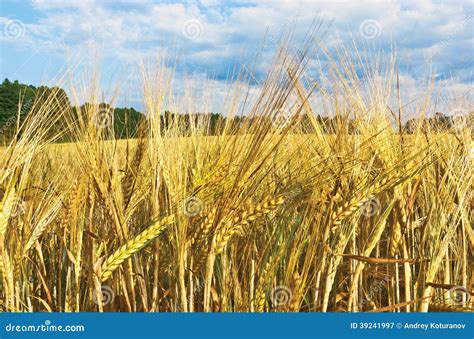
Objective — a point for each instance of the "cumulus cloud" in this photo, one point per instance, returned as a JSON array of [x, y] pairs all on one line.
[[212, 37]]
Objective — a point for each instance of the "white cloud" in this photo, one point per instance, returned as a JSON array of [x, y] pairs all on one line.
[[61, 4], [226, 33]]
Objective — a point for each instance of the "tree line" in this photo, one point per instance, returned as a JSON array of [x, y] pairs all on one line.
[[17, 100]]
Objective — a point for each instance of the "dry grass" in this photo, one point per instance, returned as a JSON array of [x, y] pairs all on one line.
[[258, 218]]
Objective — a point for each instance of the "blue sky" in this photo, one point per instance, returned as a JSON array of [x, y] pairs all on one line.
[[39, 38]]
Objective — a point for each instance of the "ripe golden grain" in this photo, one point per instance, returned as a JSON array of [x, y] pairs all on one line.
[[133, 246]]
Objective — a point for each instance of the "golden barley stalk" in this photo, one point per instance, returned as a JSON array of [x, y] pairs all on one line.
[[352, 206], [2, 266], [42, 224], [202, 232], [240, 221], [6, 209], [133, 246], [263, 282]]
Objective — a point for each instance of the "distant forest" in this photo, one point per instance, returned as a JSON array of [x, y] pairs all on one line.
[[126, 120], [12, 93]]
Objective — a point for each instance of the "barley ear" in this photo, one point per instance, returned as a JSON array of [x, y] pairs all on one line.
[[6, 208], [133, 246]]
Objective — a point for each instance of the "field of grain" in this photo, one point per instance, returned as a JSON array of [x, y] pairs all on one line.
[[262, 217]]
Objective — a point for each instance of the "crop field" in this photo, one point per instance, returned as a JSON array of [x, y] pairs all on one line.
[[267, 215]]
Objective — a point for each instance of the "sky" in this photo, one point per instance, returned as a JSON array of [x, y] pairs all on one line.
[[210, 38]]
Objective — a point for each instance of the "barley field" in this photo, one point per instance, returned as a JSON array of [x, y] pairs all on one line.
[[274, 214]]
